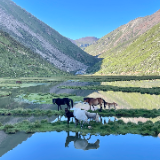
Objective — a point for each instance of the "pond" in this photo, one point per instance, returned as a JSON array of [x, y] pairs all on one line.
[[72, 145], [10, 103], [63, 145]]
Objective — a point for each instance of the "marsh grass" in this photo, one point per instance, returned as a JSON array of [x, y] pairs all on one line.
[[46, 98], [129, 113], [104, 113], [153, 90], [116, 127], [5, 93], [27, 112]]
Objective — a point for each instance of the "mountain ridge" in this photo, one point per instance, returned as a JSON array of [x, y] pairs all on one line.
[[42, 39], [141, 57], [123, 36], [17, 60], [84, 41]]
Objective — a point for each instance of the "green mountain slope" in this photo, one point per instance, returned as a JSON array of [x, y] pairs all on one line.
[[42, 39], [141, 57], [19, 61], [117, 40]]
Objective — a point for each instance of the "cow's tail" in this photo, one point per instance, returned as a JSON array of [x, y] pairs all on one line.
[[71, 102], [104, 103]]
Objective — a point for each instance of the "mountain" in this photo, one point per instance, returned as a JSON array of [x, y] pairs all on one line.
[[42, 39], [17, 60], [117, 40], [142, 56], [84, 42]]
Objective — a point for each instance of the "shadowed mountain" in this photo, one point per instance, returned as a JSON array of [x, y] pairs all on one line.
[[84, 42], [42, 39]]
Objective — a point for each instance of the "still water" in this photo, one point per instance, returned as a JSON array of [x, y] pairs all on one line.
[[63, 145]]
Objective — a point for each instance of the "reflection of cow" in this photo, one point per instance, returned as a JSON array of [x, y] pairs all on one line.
[[80, 143], [18, 82]]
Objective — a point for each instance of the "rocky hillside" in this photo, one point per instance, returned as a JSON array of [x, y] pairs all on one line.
[[84, 42], [19, 61], [117, 40], [140, 57], [42, 39]]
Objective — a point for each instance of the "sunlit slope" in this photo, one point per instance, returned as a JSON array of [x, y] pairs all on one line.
[[42, 39], [120, 38], [141, 57], [18, 61]]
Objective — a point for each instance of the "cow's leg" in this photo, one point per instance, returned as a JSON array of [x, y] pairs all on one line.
[[68, 119], [68, 106], [101, 106], [76, 121]]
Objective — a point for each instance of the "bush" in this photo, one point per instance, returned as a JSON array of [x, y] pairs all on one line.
[[44, 121]]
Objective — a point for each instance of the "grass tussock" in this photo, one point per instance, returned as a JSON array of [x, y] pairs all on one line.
[[118, 113], [116, 127]]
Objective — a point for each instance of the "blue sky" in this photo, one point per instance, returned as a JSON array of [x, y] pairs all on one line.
[[80, 18]]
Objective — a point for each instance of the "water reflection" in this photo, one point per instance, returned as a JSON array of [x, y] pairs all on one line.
[[8, 141], [51, 145], [81, 143], [10, 103], [17, 119], [107, 119]]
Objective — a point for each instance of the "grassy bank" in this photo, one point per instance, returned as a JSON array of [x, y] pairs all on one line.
[[118, 113], [117, 127]]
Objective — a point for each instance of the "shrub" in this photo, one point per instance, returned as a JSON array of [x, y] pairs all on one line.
[[44, 121]]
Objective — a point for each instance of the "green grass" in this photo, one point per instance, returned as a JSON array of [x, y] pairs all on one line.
[[48, 34], [153, 90], [132, 100], [19, 61], [46, 98], [28, 112], [141, 57], [5, 93], [117, 127], [118, 113]]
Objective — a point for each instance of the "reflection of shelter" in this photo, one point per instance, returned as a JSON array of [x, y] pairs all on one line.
[[81, 143]]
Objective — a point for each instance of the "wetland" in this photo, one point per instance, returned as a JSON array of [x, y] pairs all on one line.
[[31, 126]]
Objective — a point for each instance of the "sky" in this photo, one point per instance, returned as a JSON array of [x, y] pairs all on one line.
[[82, 18]]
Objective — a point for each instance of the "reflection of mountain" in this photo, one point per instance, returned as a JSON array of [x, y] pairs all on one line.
[[81, 143], [10, 141], [16, 119], [84, 93]]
